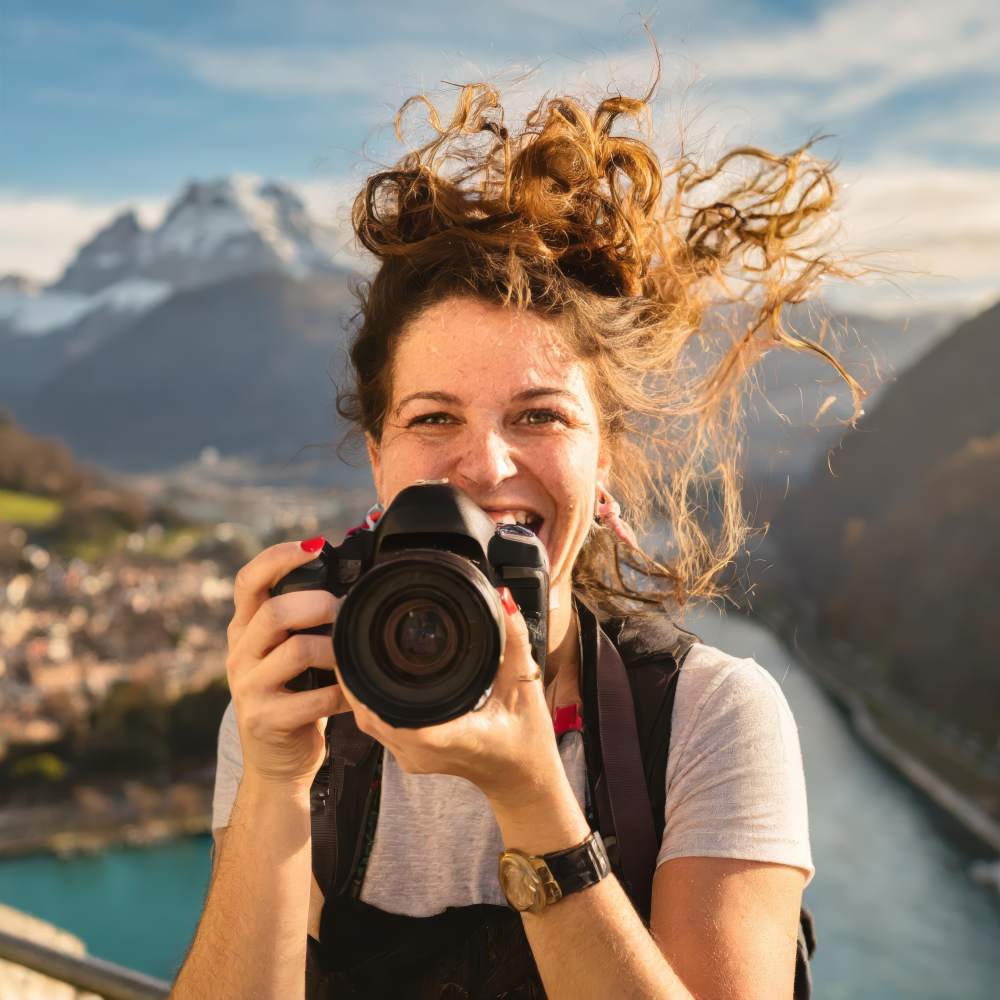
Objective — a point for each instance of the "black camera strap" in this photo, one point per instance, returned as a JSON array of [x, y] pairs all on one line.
[[347, 747]]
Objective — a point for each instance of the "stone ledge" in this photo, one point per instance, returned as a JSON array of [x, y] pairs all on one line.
[[19, 983]]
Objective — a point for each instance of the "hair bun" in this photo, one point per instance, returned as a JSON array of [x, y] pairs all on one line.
[[564, 190]]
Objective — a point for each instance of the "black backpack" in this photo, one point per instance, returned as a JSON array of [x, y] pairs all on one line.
[[629, 675]]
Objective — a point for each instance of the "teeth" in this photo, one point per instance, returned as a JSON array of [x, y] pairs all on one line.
[[512, 517]]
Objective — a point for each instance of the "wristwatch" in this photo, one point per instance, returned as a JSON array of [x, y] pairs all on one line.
[[534, 883]]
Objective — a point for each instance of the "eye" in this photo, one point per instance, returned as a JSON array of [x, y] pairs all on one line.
[[544, 417], [429, 420]]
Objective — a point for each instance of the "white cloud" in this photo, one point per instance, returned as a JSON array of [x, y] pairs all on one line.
[[853, 55], [947, 218], [374, 71], [865, 52], [41, 233], [936, 227], [957, 299], [974, 125]]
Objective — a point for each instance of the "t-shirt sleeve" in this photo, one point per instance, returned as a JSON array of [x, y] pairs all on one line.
[[228, 768], [735, 784]]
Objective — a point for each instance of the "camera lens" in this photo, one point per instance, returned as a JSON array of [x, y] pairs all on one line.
[[420, 638]]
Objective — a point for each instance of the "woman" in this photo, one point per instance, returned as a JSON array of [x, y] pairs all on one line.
[[534, 334]]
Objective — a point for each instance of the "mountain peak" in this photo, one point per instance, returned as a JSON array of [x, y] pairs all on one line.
[[241, 192], [105, 259], [213, 230]]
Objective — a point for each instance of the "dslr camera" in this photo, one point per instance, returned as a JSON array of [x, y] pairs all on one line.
[[420, 633]]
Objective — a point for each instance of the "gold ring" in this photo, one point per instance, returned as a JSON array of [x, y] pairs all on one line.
[[536, 676]]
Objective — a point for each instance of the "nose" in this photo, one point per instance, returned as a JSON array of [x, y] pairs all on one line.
[[485, 462]]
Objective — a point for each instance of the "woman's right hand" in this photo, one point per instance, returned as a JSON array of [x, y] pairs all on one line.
[[282, 732]]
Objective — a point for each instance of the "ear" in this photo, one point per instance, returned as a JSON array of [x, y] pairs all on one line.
[[375, 460], [604, 465]]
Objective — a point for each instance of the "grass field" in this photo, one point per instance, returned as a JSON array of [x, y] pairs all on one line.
[[28, 510]]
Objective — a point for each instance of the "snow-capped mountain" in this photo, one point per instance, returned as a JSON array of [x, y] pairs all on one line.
[[214, 231], [108, 258]]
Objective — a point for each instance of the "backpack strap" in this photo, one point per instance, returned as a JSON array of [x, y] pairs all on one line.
[[653, 649], [629, 677], [624, 783]]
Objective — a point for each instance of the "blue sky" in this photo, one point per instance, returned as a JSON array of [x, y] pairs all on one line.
[[113, 103]]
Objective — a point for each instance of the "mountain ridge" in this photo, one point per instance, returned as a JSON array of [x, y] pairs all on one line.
[[245, 366], [892, 565]]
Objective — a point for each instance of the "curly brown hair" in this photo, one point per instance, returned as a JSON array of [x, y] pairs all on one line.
[[588, 228]]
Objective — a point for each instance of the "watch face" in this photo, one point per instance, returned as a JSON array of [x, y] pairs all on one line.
[[519, 882]]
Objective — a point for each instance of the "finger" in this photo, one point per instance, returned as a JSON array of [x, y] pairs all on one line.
[[517, 664], [290, 658], [278, 616], [254, 580], [296, 709]]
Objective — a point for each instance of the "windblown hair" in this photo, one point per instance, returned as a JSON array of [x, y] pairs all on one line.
[[585, 226]]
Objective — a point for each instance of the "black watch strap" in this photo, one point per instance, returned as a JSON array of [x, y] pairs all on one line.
[[580, 866]]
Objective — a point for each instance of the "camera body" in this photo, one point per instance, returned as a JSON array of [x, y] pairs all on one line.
[[420, 633]]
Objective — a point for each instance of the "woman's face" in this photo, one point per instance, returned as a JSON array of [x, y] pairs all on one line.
[[489, 398]]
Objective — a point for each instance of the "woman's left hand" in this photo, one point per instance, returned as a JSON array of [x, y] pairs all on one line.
[[507, 748]]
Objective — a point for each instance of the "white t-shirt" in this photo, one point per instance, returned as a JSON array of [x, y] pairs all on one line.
[[735, 789]]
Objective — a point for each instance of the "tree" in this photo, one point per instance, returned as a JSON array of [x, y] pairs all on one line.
[[128, 733]]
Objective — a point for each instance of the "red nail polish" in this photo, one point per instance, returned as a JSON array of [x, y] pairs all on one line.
[[507, 600], [313, 544]]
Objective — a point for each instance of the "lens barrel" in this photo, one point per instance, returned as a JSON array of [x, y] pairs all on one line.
[[419, 638]]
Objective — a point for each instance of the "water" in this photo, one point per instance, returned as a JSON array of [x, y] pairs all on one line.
[[137, 907], [897, 915]]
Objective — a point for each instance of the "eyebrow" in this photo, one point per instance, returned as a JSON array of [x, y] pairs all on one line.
[[525, 394]]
